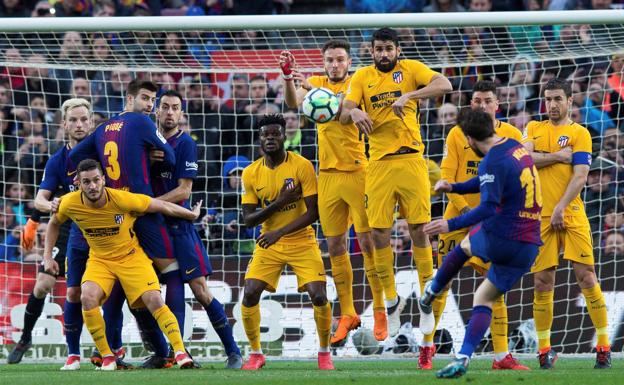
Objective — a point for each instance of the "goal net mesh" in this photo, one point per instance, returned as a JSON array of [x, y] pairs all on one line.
[[230, 78]]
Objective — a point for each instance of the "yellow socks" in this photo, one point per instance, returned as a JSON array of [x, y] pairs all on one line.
[[322, 317], [169, 326], [374, 282], [598, 313], [384, 263], [499, 326], [251, 323], [424, 264], [543, 315], [96, 326], [343, 279]]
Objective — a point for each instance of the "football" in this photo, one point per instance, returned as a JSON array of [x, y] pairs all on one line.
[[320, 105]]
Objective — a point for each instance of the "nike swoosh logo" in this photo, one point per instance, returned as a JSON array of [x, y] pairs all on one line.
[[321, 274], [190, 270], [169, 324], [596, 300], [70, 173], [466, 147], [537, 137], [371, 85], [150, 283], [261, 188]]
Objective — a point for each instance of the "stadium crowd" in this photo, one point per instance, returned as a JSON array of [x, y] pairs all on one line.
[[221, 113]]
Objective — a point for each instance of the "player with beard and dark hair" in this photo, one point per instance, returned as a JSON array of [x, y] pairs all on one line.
[[174, 184], [342, 164], [279, 192], [562, 152], [389, 91], [106, 217]]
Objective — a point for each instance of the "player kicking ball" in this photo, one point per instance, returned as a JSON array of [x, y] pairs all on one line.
[[106, 217], [279, 191], [506, 229]]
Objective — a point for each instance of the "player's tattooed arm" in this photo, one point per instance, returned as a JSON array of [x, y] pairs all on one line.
[[310, 216]]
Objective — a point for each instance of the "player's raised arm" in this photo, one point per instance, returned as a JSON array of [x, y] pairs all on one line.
[[292, 96], [173, 210]]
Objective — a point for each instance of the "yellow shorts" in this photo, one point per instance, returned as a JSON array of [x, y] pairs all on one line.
[[134, 272], [448, 241], [397, 178], [340, 199], [304, 259], [575, 240]]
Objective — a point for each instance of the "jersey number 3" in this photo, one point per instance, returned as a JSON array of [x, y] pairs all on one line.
[[111, 151], [533, 189]]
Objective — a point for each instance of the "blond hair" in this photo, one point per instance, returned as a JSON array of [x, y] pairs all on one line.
[[74, 103]]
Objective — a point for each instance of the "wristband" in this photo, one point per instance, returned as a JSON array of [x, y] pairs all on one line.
[[287, 77]]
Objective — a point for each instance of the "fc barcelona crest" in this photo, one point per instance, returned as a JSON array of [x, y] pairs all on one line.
[[563, 140], [397, 76], [119, 218]]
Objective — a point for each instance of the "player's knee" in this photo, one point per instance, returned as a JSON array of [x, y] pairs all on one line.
[[201, 292], [89, 299], [366, 243], [381, 238], [419, 238], [544, 281], [43, 287], [152, 300], [318, 298], [585, 276], [336, 246], [251, 296], [73, 294]]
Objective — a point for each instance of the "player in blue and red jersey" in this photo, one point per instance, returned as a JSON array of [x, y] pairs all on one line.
[[174, 184], [123, 145], [507, 231]]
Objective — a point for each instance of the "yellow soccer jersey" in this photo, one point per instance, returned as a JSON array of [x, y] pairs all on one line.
[[108, 230], [262, 185], [547, 138], [377, 91], [340, 146], [460, 163]]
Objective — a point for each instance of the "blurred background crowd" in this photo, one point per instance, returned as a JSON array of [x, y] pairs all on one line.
[[223, 106]]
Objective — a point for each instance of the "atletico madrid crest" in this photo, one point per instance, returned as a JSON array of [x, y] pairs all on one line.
[[119, 218], [397, 76], [563, 140]]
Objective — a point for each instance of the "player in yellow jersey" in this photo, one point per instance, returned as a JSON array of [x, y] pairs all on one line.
[[279, 192], [389, 92], [106, 217], [460, 164], [561, 150], [342, 162]]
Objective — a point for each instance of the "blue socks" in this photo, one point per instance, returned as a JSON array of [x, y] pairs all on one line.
[[477, 326], [221, 325], [72, 316], [175, 296], [450, 267]]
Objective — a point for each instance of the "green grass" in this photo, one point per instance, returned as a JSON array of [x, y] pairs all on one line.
[[569, 371]]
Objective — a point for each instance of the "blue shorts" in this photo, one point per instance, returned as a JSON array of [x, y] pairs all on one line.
[[76, 264], [154, 236], [189, 251], [510, 259]]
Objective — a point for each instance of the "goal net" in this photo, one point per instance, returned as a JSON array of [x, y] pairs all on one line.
[[226, 68]]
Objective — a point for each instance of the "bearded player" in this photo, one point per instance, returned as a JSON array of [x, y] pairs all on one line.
[[342, 164]]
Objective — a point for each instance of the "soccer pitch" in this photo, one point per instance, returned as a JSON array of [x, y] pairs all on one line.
[[569, 371]]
